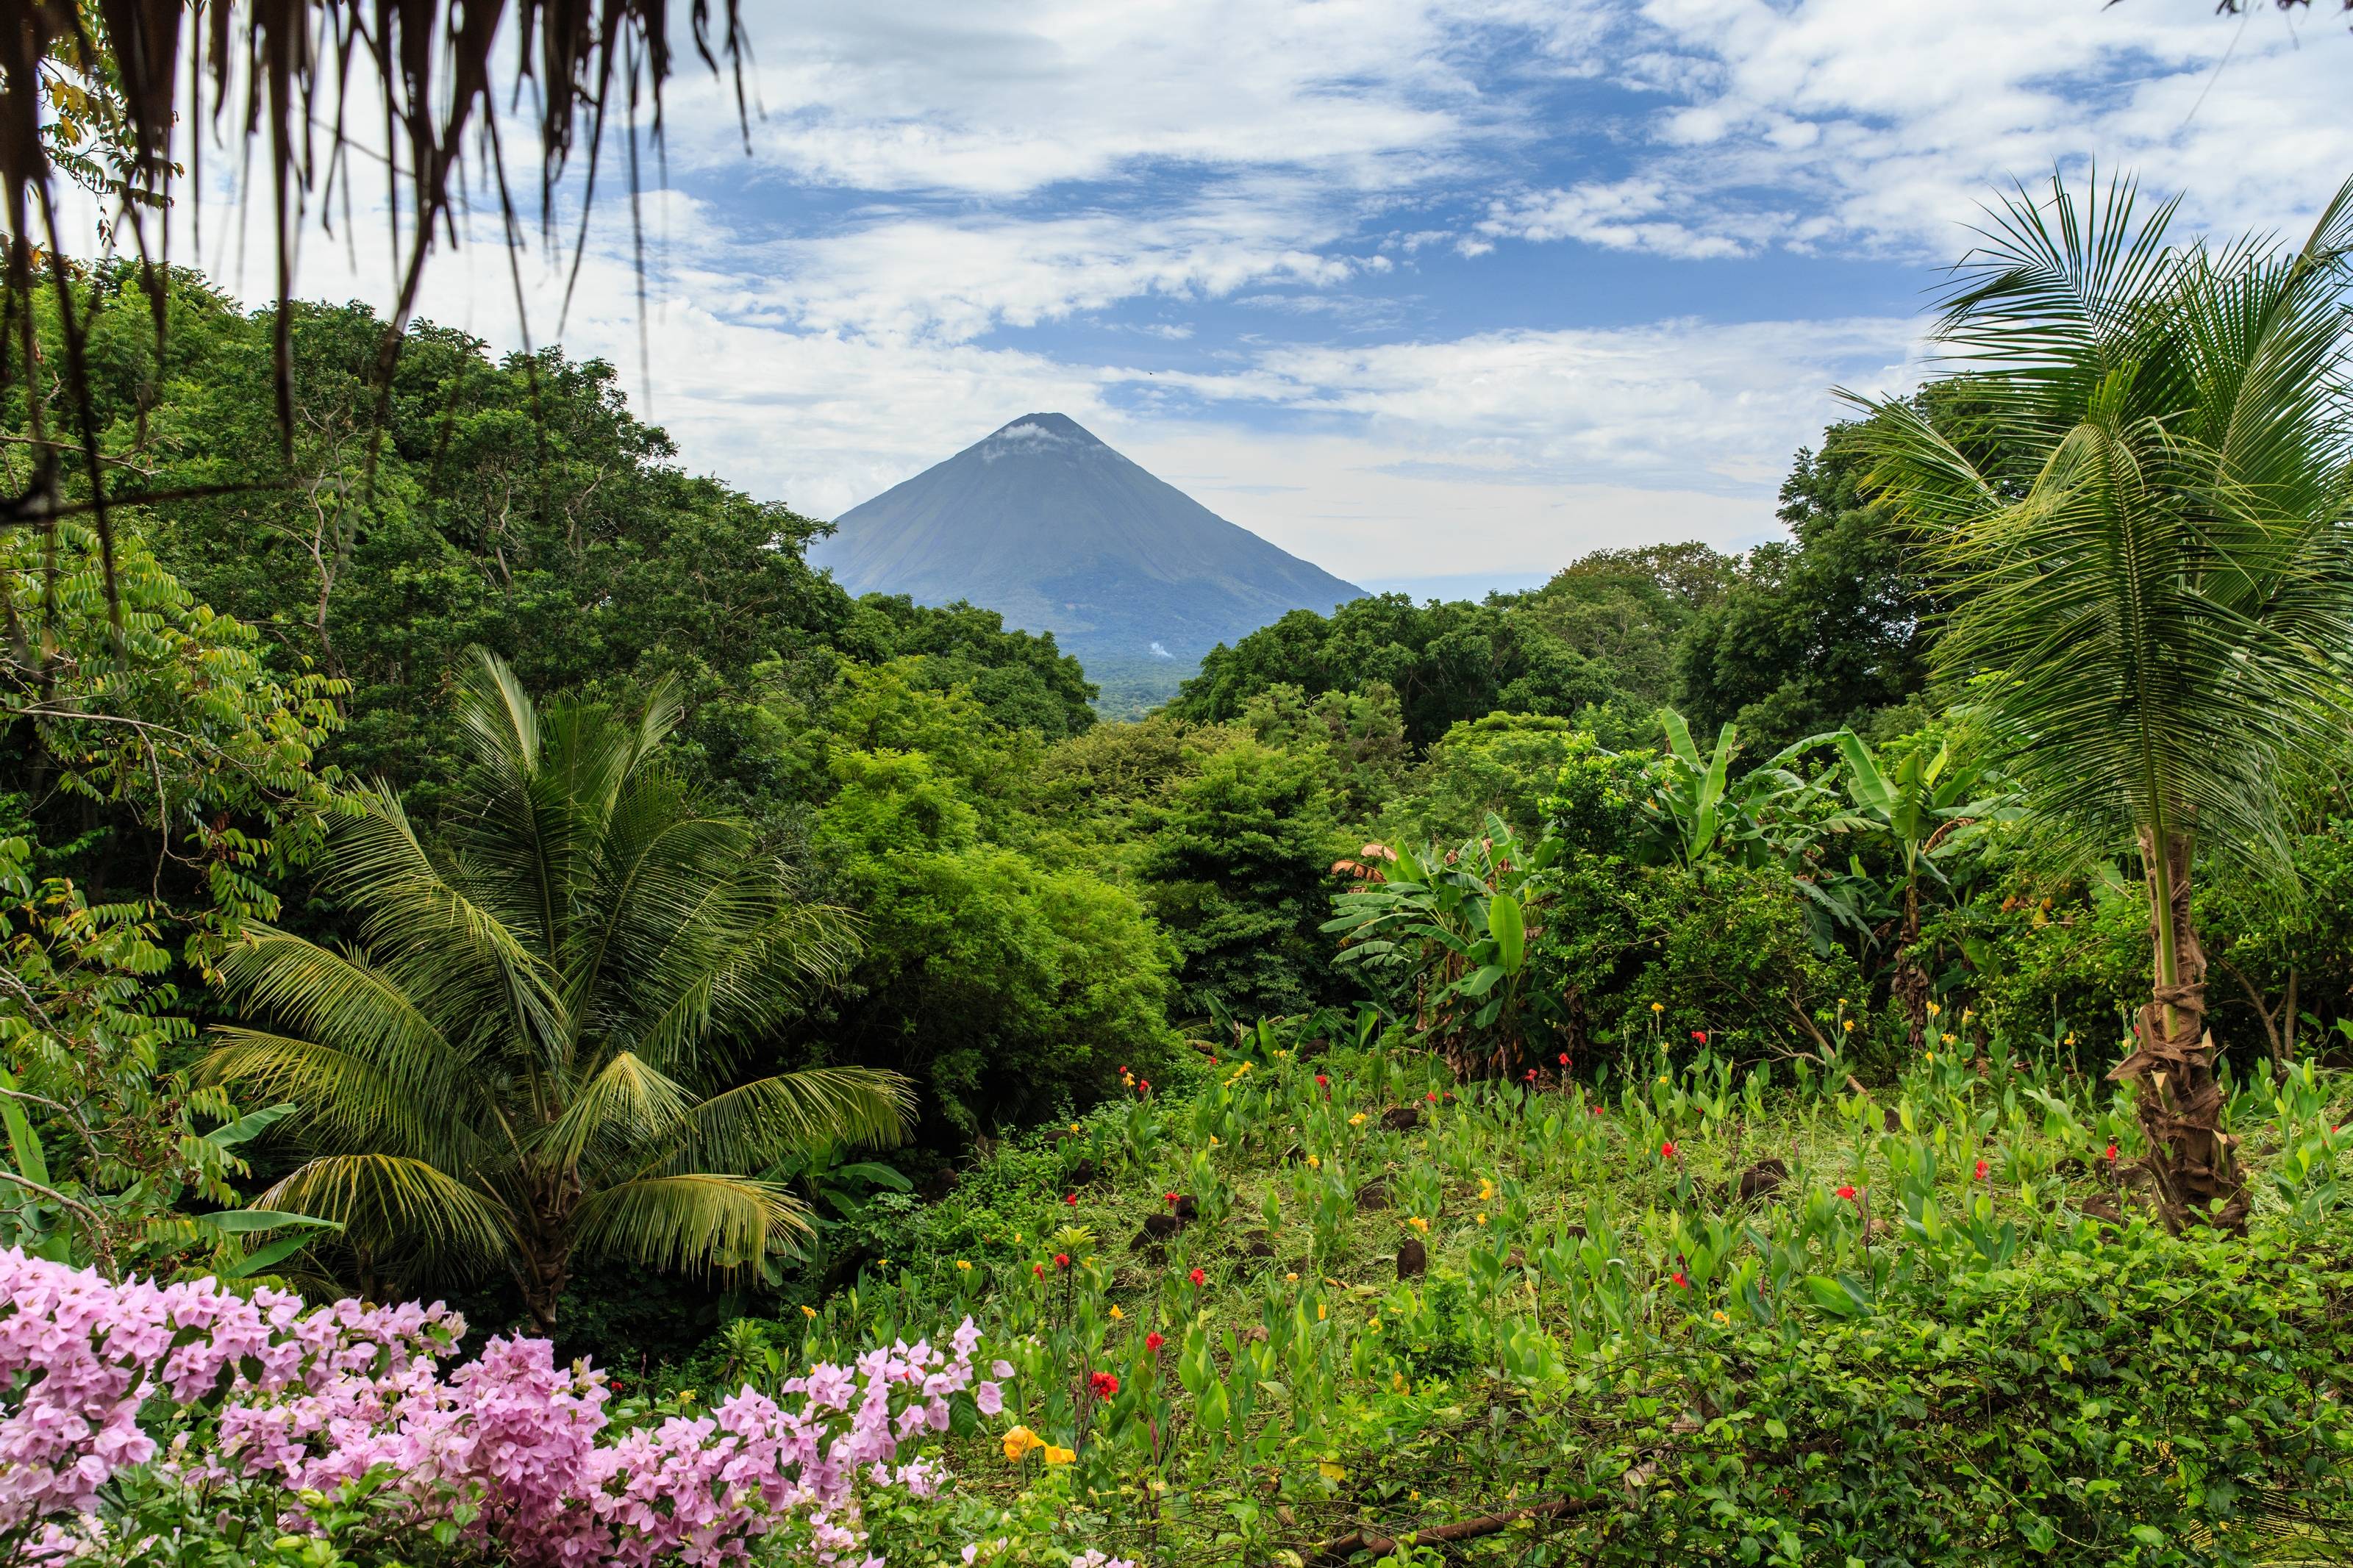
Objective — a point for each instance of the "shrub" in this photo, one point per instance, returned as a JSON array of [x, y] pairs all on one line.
[[268, 1411]]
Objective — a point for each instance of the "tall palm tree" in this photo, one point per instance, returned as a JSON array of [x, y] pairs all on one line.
[[524, 1062], [2154, 580]]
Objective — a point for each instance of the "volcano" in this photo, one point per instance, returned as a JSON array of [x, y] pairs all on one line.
[[1047, 525]]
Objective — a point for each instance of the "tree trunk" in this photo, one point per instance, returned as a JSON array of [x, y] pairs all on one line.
[[1910, 986], [2190, 1157]]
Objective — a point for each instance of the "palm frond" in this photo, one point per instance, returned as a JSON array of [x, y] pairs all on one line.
[[754, 1125], [695, 1221], [350, 1102], [622, 1108], [385, 1199]]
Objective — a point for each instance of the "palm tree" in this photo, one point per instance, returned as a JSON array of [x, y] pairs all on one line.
[[524, 1062], [2154, 586]]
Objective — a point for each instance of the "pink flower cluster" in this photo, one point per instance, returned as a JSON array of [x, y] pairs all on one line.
[[311, 1399]]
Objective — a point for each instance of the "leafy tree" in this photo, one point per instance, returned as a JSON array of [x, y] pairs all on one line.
[[1009, 986], [2159, 619], [522, 1064], [1829, 630], [1446, 662], [1237, 873], [1625, 610]]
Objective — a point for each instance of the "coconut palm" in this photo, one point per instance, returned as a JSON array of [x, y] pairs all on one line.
[[524, 1061], [2153, 578]]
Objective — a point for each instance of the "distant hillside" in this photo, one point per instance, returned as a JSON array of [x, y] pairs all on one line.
[[1045, 524]]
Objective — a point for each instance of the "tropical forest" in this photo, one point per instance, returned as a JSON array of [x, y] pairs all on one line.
[[537, 1029]]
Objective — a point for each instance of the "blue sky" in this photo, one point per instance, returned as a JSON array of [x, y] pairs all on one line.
[[1437, 293]]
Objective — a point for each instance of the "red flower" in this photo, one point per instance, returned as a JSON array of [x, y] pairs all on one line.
[[1199, 1277], [1153, 1341], [1039, 1269], [1168, 1197], [1592, 1110], [1700, 1035], [1143, 1085], [1564, 1059], [1532, 1075], [1981, 1169], [1104, 1384], [1431, 1097], [2112, 1151], [1847, 1193], [1323, 1082], [1681, 1282], [1061, 1260], [1071, 1199], [1667, 1150]]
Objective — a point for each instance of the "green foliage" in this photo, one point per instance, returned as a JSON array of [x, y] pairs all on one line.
[[1236, 872], [523, 1060], [1446, 662], [1615, 1352]]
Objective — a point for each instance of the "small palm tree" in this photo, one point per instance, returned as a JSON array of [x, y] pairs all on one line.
[[524, 1062], [2153, 574]]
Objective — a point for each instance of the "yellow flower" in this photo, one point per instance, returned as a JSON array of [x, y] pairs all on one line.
[[1074, 1127], [1375, 1324], [1947, 1039], [809, 1312], [1020, 1441], [1850, 1025], [1841, 1001], [1658, 1006], [1411, 1496], [1486, 1189], [1117, 1314], [1293, 1278], [1722, 1316], [1314, 1161], [1213, 1139], [1058, 1455], [1933, 1009], [881, 1263], [1320, 1311], [964, 1266], [1017, 1238], [1482, 1219], [1357, 1120], [1420, 1224], [1932, 1058]]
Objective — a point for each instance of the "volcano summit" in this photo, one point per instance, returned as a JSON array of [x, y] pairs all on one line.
[[1047, 525]]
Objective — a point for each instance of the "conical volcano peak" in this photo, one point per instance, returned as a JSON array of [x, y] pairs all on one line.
[[1042, 522], [1041, 432]]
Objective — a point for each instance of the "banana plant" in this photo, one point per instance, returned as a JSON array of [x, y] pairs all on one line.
[[1925, 807], [1701, 812], [1452, 931]]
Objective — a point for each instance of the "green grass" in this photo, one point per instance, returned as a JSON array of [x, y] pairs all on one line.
[[1613, 1355]]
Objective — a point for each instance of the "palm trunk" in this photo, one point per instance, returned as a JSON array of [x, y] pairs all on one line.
[[2172, 1063]]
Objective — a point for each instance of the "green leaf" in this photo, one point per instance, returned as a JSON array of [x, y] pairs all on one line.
[[1509, 928], [23, 1143], [245, 1222], [265, 1257]]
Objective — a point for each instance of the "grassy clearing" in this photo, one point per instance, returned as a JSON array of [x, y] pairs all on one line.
[[1322, 1302]]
